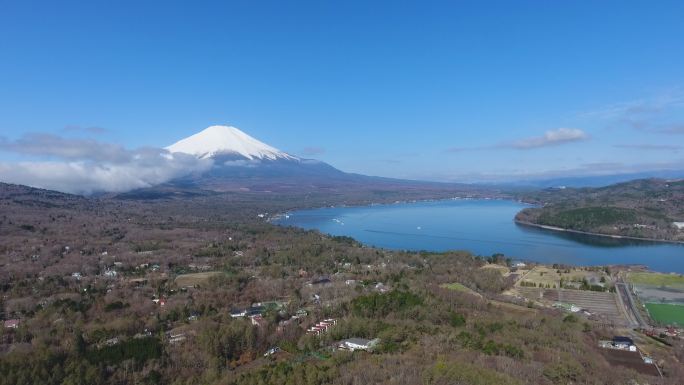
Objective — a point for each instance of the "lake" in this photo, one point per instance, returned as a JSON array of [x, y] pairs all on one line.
[[483, 227]]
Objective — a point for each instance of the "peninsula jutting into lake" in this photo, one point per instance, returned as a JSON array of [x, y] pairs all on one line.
[[484, 227]]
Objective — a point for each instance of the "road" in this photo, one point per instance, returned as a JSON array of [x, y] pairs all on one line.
[[633, 313]]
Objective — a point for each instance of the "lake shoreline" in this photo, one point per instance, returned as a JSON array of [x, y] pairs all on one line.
[[560, 229], [278, 216], [482, 227]]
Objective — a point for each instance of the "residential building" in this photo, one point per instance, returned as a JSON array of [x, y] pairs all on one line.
[[358, 344]]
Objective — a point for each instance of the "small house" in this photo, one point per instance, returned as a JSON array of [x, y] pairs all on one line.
[[353, 344], [625, 343], [11, 323]]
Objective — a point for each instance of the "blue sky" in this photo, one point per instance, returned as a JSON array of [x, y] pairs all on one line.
[[454, 90]]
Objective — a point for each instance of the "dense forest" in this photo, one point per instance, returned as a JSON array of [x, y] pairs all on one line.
[[149, 291]]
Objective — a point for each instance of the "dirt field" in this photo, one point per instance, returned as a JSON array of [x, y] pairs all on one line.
[[655, 294], [547, 276], [195, 278], [631, 360], [513, 307], [603, 305]]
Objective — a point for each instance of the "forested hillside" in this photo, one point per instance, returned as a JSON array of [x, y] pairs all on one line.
[[647, 208], [111, 291]]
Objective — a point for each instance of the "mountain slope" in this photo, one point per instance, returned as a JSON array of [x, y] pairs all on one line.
[[242, 163], [227, 142]]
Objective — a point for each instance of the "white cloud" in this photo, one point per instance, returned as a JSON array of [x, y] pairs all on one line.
[[242, 163], [550, 138], [658, 114], [86, 166], [582, 170], [654, 147], [642, 107]]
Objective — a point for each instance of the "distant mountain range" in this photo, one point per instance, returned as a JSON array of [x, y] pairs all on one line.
[[592, 180]]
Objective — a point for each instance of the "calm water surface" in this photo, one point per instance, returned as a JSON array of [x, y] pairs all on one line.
[[483, 227]]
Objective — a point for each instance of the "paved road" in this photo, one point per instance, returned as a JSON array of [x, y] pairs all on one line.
[[630, 305]]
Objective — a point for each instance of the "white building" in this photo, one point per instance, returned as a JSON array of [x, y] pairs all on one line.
[[110, 273], [358, 344]]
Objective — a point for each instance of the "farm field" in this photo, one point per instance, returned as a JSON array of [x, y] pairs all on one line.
[[675, 281], [604, 305], [630, 360], [666, 314], [660, 294], [544, 276]]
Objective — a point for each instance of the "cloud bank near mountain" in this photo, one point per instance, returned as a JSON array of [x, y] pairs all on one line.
[[85, 166]]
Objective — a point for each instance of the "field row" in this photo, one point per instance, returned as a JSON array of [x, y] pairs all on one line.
[[602, 304]]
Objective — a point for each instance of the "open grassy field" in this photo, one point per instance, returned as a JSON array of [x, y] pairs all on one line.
[[195, 278], [666, 314], [656, 279], [459, 287], [456, 286], [502, 269], [543, 275]]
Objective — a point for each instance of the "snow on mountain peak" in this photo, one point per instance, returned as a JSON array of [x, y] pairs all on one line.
[[227, 140]]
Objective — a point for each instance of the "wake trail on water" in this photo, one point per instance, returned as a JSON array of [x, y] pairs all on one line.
[[423, 235]]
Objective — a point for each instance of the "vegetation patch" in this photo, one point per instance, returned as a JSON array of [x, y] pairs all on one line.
[[288, 373], [137, 349], [464, 373], [195, 279], [585, 218], [380, 305], [656, 279], [666, 314], [116, 305]]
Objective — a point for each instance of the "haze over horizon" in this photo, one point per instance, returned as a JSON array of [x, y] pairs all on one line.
[[465, 92]]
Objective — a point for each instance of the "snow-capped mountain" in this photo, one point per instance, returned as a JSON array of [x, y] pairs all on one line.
[[241, 163], [227, 142]]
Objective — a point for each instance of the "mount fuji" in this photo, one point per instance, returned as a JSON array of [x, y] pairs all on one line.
[[241, 163], [227, 142]]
